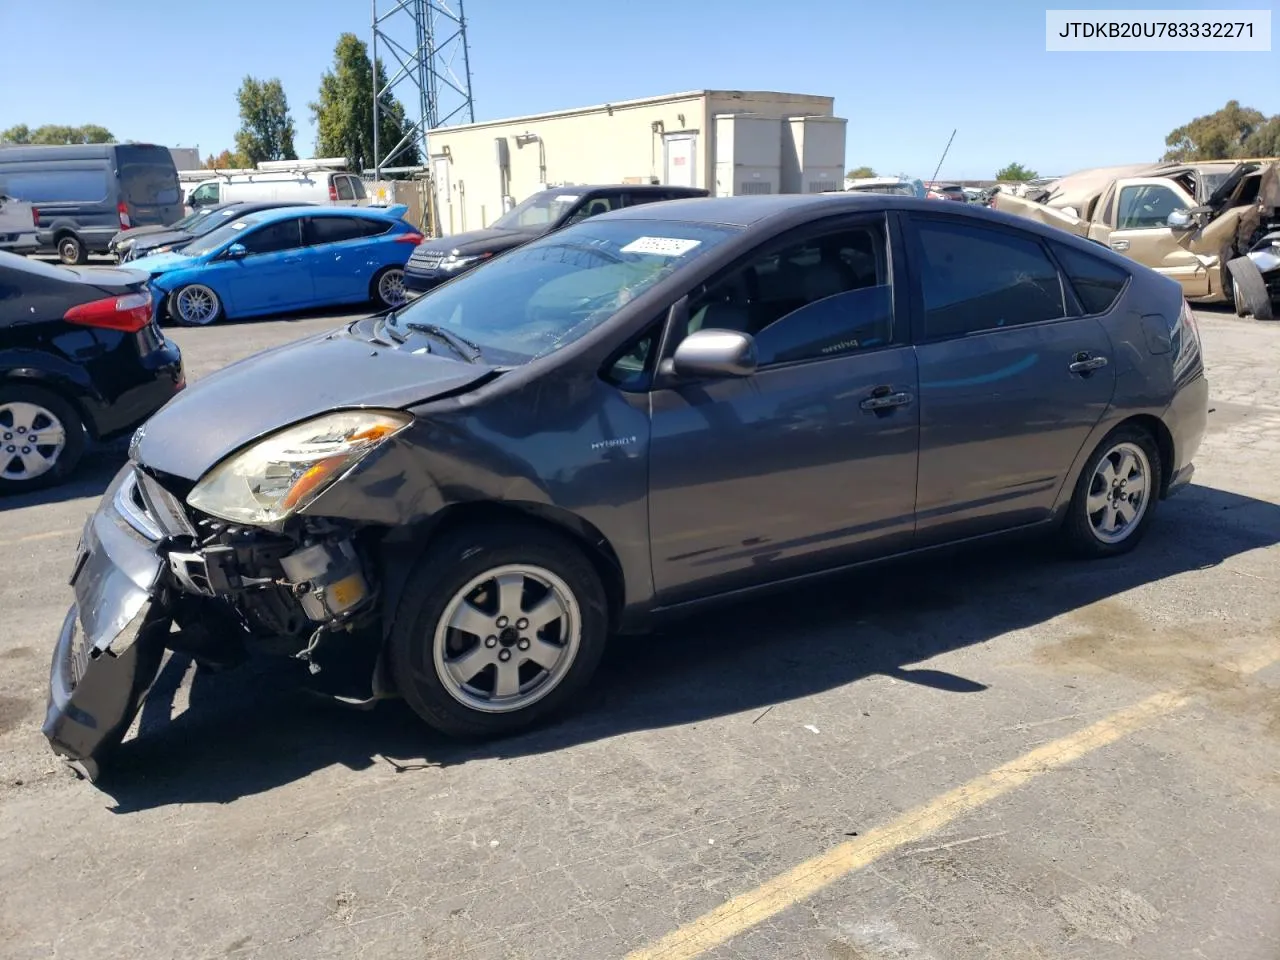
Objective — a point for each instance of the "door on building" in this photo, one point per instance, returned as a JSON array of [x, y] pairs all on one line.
[[444, 195], [680, 155]]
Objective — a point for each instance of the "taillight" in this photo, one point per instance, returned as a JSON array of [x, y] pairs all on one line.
[[333, 190], [128, 314], [122, 210], [414, 238], [35, 217]]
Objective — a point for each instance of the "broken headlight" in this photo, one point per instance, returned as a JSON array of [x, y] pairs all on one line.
[[267, 481]]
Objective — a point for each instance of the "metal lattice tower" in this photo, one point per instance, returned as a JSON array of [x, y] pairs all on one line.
[[427, 40]]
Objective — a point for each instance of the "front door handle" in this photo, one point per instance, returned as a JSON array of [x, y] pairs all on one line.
[[1083, 363], [1119, 244], [883, 399]]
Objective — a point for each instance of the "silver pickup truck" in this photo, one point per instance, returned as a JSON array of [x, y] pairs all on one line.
[[17, 224]]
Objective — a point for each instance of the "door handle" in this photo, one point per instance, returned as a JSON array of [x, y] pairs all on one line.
[[1119, 244], [882, 399], [1084, 363]]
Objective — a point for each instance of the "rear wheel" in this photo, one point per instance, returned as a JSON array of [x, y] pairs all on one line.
[[498, 628], [1115, 496], [194, 305], [71, 251], [41, 438], [388, 287]]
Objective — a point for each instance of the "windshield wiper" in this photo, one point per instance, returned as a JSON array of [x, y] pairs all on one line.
[[461, 345]]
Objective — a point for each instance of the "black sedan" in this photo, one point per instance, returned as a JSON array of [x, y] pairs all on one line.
[[639, 414], [81, 358], [435, 261], [129, 246]]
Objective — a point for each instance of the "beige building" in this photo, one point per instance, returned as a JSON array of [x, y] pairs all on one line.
[[726, 141]]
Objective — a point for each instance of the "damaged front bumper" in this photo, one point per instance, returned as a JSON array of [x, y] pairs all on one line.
[[112, 640], [144, 566]]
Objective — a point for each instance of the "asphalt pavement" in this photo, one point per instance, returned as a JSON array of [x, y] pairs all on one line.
[[997, 754]]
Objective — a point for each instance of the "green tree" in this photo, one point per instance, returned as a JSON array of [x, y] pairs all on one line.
[[52, 133], [860, 173], [266, 128], [226, 160], [343, 110], [1215, 136], [1264, 141], [1015, 172]]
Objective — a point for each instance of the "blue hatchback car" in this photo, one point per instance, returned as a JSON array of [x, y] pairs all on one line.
[[286, 259]]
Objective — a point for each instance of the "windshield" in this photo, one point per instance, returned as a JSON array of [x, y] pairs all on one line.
[[220, 235], [541, 210], [189, 219], [546, 294], [211, 220]]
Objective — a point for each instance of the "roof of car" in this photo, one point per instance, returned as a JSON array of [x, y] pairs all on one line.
[[633, 187], [280, 213]]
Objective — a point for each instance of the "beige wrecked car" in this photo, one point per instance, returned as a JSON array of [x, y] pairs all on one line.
[[1212, 226]]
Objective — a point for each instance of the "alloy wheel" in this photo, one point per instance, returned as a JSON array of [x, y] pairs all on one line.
[[31, 440], [1119, 492], [507, 638], [196, 305], [391, 288]]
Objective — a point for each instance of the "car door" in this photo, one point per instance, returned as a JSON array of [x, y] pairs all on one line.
[[1013, 376], [1135, 223], [810, 462], [338, 256], [273, 274]]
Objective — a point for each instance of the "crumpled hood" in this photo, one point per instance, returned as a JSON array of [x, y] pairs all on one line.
[[268, 391], [161, 262]]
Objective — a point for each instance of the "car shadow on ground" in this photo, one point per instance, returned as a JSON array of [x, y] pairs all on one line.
[[347, 311], [101, 462], [250, 730]]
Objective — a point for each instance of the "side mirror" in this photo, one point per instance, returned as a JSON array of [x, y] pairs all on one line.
[[236, 251], [1180, 220], [714, 353]]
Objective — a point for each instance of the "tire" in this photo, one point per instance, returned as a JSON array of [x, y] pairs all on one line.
[[422, 647], [71, 251], [25, 410], [1251, 295], [1085, 529], [195, 305], [387, 289]]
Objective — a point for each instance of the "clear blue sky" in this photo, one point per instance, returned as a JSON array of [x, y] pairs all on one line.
[[904, 74]]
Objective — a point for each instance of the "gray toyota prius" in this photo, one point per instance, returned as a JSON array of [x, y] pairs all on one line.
[[458, 502]]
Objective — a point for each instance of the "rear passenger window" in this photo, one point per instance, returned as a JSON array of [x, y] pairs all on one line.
[[357, 185], [344, 188], [1096, 282], [974, 279], [335, 229]]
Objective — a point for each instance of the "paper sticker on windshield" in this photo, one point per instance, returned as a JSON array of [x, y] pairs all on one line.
[[661, 246], [567, 198]]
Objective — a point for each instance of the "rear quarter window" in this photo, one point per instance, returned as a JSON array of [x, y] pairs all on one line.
[[1097, 283], [53, 185]]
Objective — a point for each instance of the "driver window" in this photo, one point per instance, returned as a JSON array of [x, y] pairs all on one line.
[[824, 297], [596, 206], [1145, 206], [281, 235], [205, 193], [974, 279]]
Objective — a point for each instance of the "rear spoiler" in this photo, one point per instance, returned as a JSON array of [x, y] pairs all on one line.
[[396, 211]]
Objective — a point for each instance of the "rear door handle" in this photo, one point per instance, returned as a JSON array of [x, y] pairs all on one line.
[[886, 401], [1119, 244], [1083, 363]]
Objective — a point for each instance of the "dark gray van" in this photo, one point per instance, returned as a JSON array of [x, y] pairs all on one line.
[[84, 194]]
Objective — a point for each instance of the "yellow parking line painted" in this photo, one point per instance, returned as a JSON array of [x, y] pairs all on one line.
[[774, 896]]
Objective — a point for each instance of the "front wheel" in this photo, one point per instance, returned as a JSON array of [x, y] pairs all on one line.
[[498, 628], [1115, 496], [194, 305]]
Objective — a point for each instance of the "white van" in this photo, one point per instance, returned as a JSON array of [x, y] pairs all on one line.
[[332, 188]]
